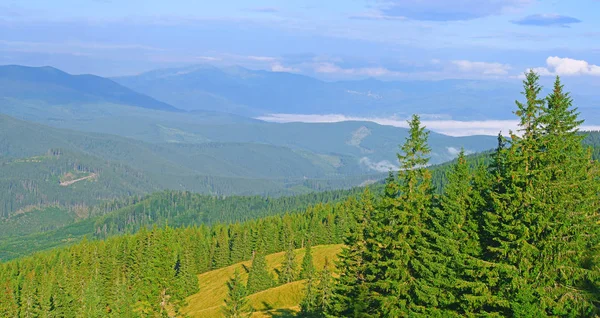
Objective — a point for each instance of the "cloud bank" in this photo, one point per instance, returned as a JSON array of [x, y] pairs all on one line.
[[454, 128]]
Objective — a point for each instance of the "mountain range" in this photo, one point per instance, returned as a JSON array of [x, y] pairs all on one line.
[[80, 139], [254, 93]]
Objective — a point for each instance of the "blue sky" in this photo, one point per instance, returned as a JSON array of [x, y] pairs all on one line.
[[329, 39]]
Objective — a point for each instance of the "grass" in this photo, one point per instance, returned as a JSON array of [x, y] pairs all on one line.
[[280, 301]]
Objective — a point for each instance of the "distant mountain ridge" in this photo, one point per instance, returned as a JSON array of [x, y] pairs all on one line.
[[57, 87], [253, 93]]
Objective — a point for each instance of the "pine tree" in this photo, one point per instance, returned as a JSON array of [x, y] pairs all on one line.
[[308, 267], [350, 295], [309, 303], [236, 304], [221, 257], [569, 230], [287, 273], [460, 224], [512, 224], [539, 229], [259, 277], [324, 290], [396, 260]]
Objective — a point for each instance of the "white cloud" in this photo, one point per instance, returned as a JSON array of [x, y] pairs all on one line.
[[447, 127], [456, 128], [484, 68], [565, 66], [278, 67], [381, 166], [330, 68], [453, 151], [261, 58]]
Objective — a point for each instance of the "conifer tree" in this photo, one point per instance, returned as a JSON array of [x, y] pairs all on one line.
[[259, 277], [510, 225], [221, 257], [288, 272], [537, 222], [570, 225], [394, 262], [460, 224], [324, 290], [309, 303], [350, 295], [236, 304], [307, 269]]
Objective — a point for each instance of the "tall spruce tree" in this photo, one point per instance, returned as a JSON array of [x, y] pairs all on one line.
[[350, 295], [512, 224], [259, 277], [393, 239], [309, 303], [236, 304], [318, 294], [460, 224], [569, 231], [537, 220], [307, 269], [288, 271], [325, 290]]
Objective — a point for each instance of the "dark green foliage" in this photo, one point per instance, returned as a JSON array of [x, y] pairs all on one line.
[[592, 140], [307, 268], [259, 277], [325, 290], [350, 296], [318, 294], [309, 303], [236, 305], [398, 234], [518, 239], [178, 209], [288, 272]]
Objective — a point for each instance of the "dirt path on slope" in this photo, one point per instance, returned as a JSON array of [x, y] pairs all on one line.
[[68, 183]]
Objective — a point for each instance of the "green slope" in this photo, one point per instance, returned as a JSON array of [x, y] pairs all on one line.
[[57, 87], [213, 291], [220, 159], [65, 179], [27, 232]]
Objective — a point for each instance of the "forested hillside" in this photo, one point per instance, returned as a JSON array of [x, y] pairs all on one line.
[[31, 167], [44, 226], [66, 180], [592, 139], [25, 234], [158, 264], [510, 233]]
